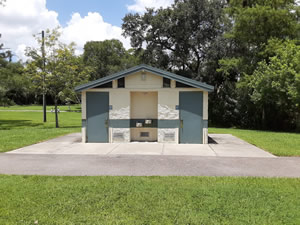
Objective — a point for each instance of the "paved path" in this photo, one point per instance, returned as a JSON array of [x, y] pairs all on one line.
[[225, 156], [225, 145], [146, 165]]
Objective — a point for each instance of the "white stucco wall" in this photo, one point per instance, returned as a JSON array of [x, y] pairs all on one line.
[[120, 101], [146, 81], [83, 116], [167, 101], [205, 136], [83, 105]]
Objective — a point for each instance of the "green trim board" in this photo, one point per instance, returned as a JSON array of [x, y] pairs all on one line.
[[119, 123], [131, 123], [83, 123], [143, 67], [168, 123], [205, 123]]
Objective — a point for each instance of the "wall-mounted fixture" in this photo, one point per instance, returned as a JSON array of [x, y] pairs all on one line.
[[143, 75], [148, 121], [139, 124]]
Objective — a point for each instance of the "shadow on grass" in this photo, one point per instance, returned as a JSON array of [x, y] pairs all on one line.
[[63, 127], [12, 124]]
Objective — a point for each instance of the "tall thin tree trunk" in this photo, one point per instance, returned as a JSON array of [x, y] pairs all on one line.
[[56, 113], [263, 117]]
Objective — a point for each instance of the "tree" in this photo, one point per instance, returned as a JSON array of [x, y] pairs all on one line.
[[179, 37], [187, 38], [107, 57], [254, 23], [274, 87], [63, 70], [14, 87]]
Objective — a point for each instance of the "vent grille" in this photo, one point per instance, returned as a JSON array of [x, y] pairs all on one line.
[[169, 136], [118, 136], [144, 134]]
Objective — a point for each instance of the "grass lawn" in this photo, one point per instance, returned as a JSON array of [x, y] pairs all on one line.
[[40, 107], [148, 200], [277, 143], [18, 129]]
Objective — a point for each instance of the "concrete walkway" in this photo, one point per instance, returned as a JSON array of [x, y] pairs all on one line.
[[147, 165], [223, 145], [226, 155]]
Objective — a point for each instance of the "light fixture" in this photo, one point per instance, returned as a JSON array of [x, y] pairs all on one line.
[[143, 75]]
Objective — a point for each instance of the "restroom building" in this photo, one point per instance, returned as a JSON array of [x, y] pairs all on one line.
[[145, 104]]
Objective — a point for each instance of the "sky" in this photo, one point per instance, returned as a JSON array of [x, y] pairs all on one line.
[[80, 20]]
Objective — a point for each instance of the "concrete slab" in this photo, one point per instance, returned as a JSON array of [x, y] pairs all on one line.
[[69, 138], [227, 145], [41, 148], [139, 149], [88, 149], [188, 149]]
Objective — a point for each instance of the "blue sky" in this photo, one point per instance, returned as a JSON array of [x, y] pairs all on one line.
[[112, 11], [80, 21]]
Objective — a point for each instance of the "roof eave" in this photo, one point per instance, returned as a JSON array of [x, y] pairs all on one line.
[[162, 73]]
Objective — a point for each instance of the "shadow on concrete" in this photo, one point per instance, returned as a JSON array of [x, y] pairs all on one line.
[[211, 140]]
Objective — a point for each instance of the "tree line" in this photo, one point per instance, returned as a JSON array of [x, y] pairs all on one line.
[[248, 49]]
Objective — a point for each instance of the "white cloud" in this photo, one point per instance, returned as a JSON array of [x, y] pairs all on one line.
[[20, 19], [141, 5], [91, 27]]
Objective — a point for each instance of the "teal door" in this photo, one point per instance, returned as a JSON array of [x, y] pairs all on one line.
[[191, 118], [97, 116]]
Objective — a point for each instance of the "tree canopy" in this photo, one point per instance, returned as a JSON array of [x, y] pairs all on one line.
[[107, 57], [248, 49], [63, 70], [179, 37]]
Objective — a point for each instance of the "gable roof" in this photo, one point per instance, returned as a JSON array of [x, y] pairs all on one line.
[[147, 68]]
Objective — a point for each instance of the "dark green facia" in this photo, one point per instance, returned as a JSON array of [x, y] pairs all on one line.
[[150, 69]]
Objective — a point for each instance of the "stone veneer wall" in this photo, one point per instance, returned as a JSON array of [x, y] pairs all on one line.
[[166, 112], [119, 100], [120, 135], [119, 114], [167, 101]]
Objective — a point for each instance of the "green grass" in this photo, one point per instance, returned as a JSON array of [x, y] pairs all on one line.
[[18, 129], [277, 143], [148, 200], [40, 107]]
